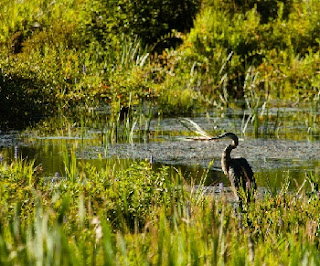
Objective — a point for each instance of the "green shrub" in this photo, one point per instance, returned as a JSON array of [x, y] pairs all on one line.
[[66, 54], [149, 20], [231, 39]]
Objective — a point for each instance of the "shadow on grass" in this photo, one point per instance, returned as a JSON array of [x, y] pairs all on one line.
[[23, 101]]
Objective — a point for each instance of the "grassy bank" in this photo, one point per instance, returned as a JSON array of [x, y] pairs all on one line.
[[64, 54], [142, 216]]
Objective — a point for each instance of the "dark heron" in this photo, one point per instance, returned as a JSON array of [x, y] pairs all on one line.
[[237, 170]]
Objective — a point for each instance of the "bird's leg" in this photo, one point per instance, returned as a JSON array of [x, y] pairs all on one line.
[[238, 208], [250, 191]]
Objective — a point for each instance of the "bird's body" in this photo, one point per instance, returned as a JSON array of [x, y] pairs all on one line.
[[237, 170]]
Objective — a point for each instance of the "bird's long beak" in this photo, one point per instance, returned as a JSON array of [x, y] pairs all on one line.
[[216, 138]]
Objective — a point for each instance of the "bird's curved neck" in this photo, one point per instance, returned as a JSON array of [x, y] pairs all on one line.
[[226, 158]]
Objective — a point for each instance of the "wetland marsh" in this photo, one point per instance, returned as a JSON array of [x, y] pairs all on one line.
[[95, 168], [283, 146], [153, 198]]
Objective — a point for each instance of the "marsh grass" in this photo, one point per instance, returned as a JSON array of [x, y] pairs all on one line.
[[112, 125], [137, 215], [133, 124], [70, 163]]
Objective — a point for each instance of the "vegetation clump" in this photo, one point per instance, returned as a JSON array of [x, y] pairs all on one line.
[[175, 55], [140, 215]]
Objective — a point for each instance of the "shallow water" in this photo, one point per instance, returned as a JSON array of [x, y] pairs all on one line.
[[284, 143]]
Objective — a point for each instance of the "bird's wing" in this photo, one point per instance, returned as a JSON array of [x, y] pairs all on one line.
[[247, 170]]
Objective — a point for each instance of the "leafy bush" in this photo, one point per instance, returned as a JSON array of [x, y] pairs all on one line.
[[229, 40], [126, 198], [149, 20], [268, 9], [65, 54]]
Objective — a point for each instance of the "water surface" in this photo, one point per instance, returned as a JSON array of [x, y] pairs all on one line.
[[283, 143]]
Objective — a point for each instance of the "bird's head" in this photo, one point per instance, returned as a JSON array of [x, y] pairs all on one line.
[[229, 135]]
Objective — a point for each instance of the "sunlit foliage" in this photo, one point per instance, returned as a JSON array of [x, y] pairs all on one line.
[[144, 216], [176, 55]]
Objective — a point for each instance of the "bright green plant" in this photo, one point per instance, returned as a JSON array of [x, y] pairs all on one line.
[[139, 215], [59, 56]]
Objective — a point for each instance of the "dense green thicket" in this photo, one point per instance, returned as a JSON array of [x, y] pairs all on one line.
[[228, 52], [84, 53], [153, 21]]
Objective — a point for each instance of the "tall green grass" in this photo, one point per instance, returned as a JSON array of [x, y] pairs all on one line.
[[138, 215]]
